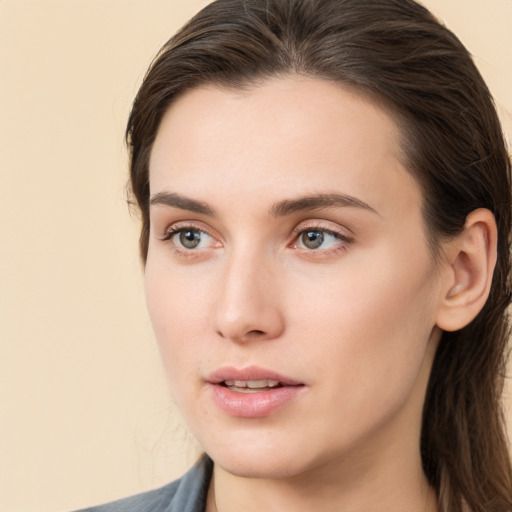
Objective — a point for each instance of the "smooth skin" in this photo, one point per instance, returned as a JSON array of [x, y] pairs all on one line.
[[339, 292]]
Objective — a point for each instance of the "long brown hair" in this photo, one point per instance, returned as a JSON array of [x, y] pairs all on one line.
[[397, 53]]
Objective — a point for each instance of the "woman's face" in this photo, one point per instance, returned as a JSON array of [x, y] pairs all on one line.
[[288, 277]]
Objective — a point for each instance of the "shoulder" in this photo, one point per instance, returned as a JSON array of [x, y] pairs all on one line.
[[188, 494], [157, 500]]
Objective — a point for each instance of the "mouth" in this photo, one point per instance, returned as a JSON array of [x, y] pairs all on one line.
[[252, 392], [251, 386], [251, 379]]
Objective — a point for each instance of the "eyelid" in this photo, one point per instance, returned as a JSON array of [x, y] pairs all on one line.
[[178, 226], [325, 226], [192, 254], [344, 235]]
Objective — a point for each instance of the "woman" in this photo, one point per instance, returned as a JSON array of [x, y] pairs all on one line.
[[325, 200]]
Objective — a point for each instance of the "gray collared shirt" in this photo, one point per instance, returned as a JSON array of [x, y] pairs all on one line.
[[188, 494]]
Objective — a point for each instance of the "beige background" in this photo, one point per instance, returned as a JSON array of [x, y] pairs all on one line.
[[84, 410]]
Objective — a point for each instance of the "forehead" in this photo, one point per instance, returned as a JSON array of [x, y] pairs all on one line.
[[288, 133]]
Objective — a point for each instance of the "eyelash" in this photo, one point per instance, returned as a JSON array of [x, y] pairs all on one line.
[[169, 233], [344, 240], [180, 228]]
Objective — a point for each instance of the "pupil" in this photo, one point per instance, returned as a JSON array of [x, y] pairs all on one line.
[[313, 239], [190, 239]]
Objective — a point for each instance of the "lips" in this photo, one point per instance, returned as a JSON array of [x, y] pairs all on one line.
[[251, 386], [252, 392], [250, 374]]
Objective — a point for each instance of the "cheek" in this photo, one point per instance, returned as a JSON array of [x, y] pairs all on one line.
[[371, 322], [177, 309]]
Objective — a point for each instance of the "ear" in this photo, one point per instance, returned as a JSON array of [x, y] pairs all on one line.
[[471, 258]]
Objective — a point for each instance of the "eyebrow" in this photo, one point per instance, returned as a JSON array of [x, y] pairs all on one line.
[[182, 202], [316, 202], [280, 209]]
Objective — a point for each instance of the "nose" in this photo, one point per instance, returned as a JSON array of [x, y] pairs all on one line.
[[248, 305]]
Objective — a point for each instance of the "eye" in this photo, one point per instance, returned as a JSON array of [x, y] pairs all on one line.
[[190, 238], [318, 239], [312, 239]]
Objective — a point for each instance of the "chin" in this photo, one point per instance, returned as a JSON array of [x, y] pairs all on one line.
[[273, 459], [267, 467]]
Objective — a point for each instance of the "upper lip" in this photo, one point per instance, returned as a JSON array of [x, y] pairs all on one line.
[[250, 373]]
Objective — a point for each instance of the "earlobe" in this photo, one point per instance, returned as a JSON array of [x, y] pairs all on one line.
[[471, 261]]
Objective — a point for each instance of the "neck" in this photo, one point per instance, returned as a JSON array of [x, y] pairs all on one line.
[[392, 484]]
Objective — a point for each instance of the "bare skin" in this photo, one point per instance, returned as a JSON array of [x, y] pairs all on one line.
[[338, 292]]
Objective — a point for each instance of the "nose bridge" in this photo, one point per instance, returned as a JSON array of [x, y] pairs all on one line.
[[247, 305]]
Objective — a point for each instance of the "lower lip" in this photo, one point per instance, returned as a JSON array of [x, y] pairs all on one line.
[[253, 405]]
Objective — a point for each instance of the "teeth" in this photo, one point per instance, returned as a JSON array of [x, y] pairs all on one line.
[[252, 384]]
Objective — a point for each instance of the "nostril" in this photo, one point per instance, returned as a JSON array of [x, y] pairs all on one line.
[[255, 332], [250, 334]]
